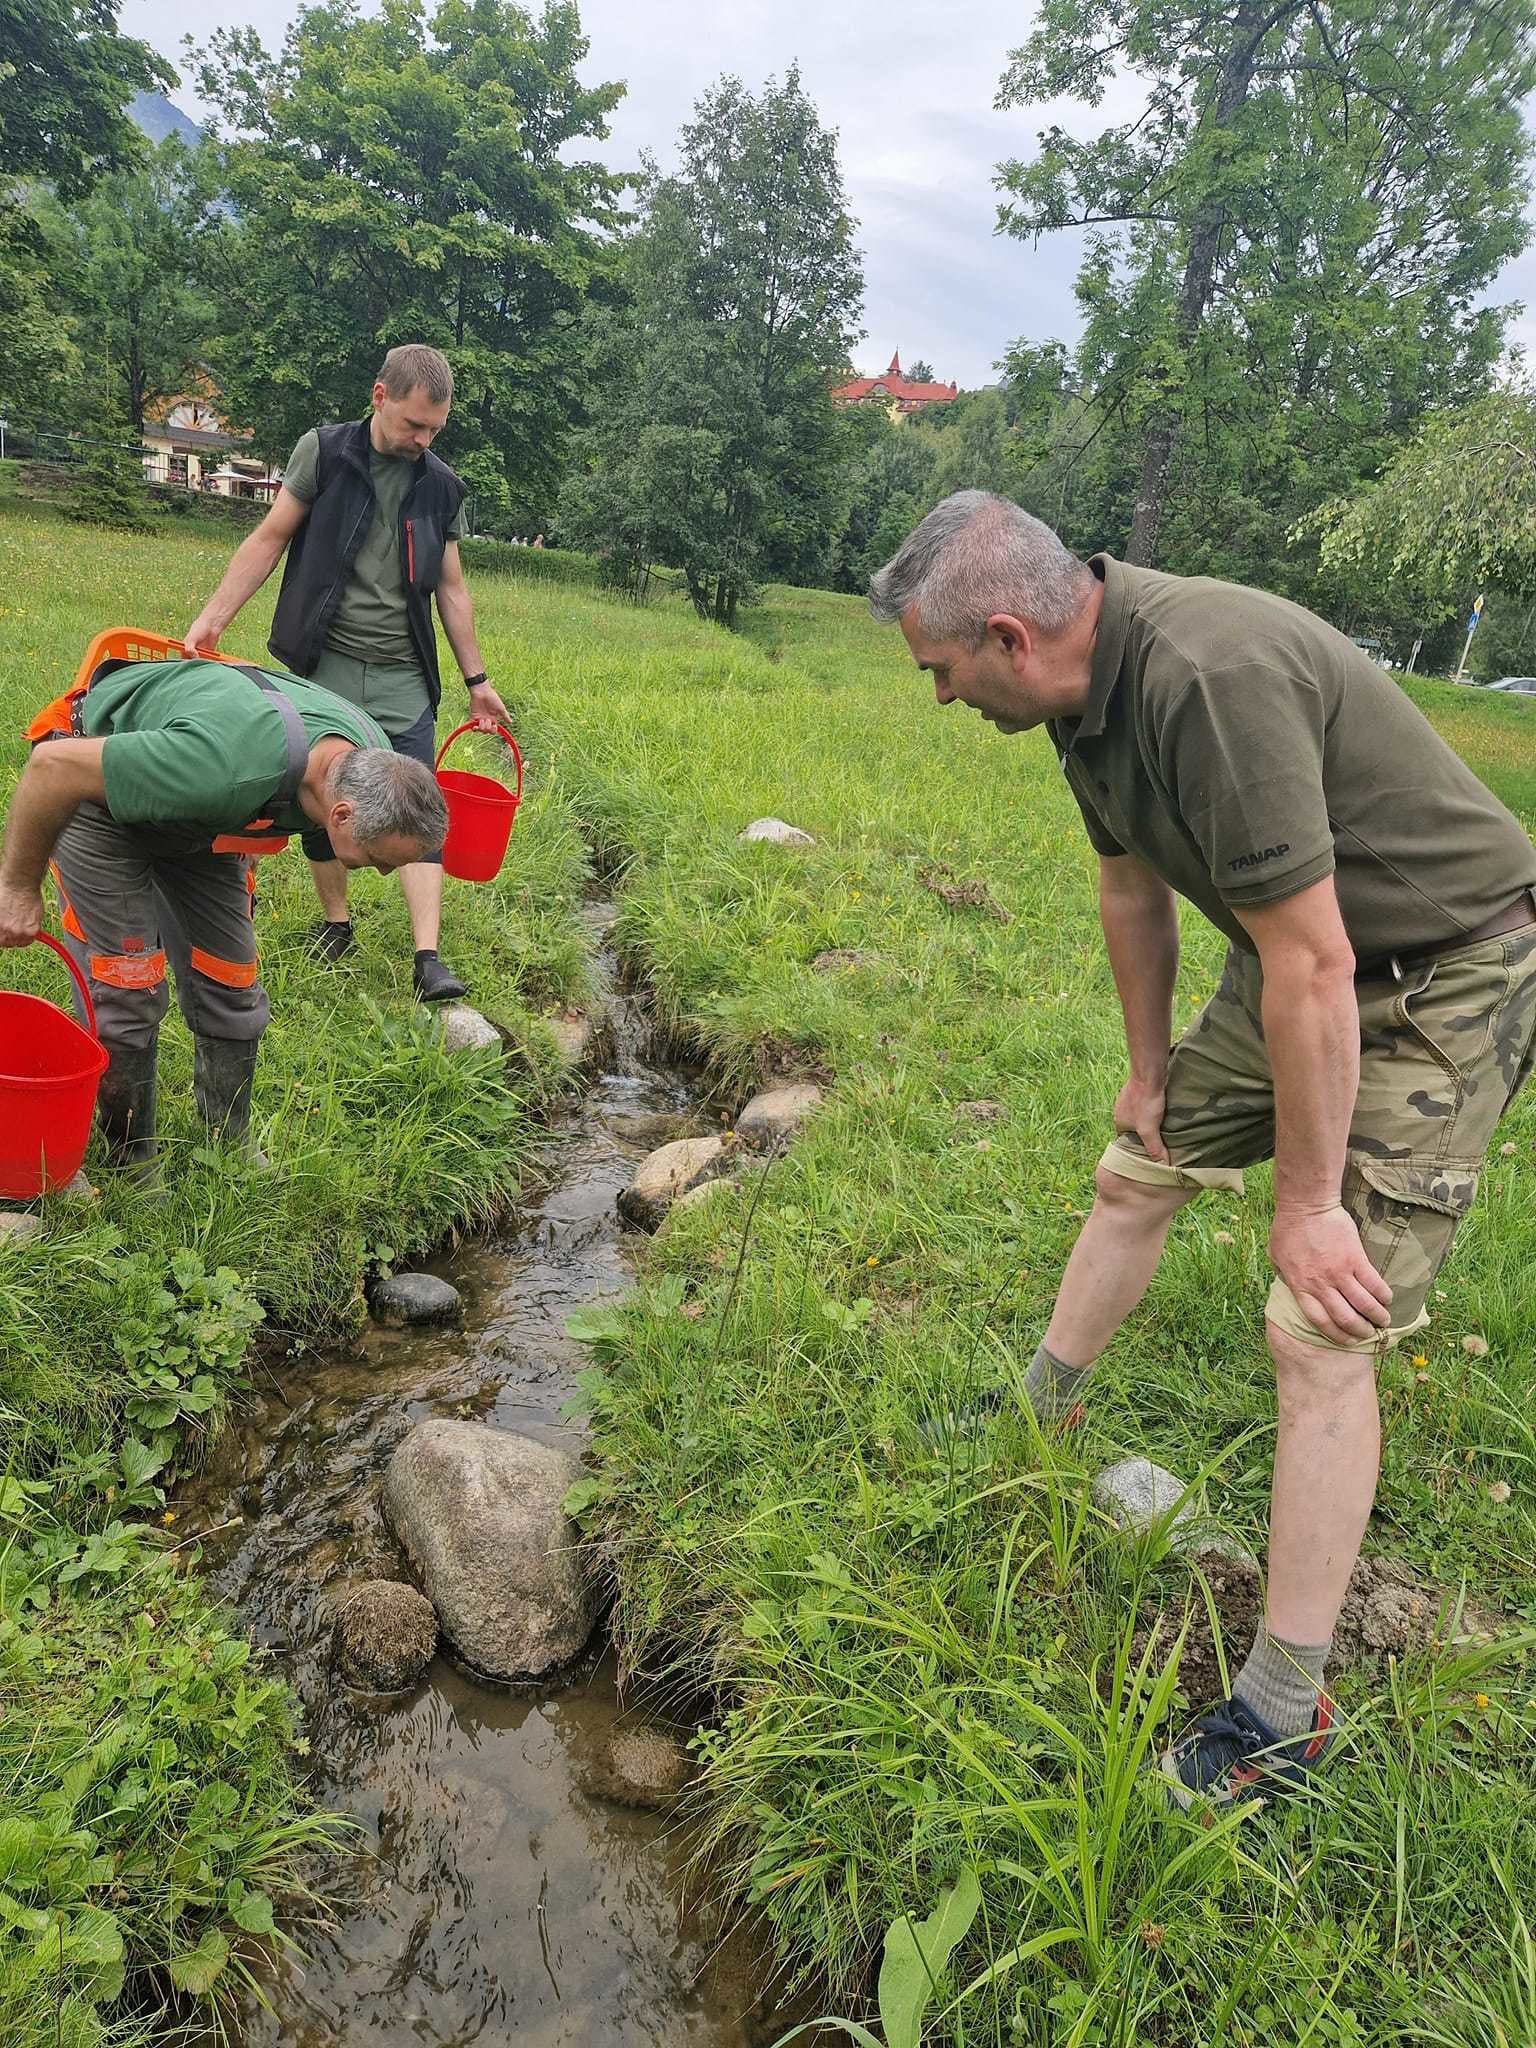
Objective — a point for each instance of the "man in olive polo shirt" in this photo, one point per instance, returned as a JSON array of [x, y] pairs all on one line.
[[148, 793], [371, 521], [1375, 1017]]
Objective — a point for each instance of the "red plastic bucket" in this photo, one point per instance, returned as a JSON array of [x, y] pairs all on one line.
[[49, 1072], [480, 813]]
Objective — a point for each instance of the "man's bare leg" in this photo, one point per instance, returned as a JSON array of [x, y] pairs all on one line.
[[1112, 1264], [331, 887], [1327, 1455], [422, 885]]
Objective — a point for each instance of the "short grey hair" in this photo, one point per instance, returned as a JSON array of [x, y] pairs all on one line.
[[413, 363], [390, 796], [976, 555]]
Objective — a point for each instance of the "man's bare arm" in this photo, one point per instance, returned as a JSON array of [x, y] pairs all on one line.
[[1312, 1034], [249, 567], [60, 776], [457, 611], [1141, 934]]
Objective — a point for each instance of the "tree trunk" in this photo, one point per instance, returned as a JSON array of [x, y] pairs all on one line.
[[1249, 28]]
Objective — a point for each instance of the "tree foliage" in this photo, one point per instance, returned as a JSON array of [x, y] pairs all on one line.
[[714, 444], [123, 263], [412, 176], [1453, 513], [1287, 242], [65, 77]]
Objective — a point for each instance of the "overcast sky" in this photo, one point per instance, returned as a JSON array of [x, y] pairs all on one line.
[[908, 85]]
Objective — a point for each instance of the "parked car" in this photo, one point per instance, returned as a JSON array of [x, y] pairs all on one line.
[[1517, 686]]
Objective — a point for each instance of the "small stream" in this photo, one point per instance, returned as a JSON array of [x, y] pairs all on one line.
[[505, 1892]]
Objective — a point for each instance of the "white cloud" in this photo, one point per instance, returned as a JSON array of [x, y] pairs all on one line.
[[910, 88]]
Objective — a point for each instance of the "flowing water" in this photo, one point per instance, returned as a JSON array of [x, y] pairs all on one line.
[[505, 1891]]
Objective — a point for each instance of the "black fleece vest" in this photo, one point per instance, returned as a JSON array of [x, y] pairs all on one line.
[[321, 553]]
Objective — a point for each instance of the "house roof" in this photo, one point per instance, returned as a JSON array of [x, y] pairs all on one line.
[[193, 438], [894, 385]]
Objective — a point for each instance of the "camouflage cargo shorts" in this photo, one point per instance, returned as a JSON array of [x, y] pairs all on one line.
[[1443, 1052]]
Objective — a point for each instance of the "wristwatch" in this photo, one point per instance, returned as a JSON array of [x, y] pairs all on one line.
[[474, 682]]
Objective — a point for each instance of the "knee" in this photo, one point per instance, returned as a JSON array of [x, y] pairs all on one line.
[[1137, 1201], [1309, 1376]]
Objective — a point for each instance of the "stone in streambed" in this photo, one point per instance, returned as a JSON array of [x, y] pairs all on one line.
[[639, 1767], [776, 832], [414, 1300], [575, 1035], [667, 1173], [773, 1116], [479, 1512], [386, 1636], [704, 1192]]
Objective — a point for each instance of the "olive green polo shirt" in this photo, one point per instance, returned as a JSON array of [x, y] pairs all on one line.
[[197, 742], [370, 623], [1244, 749]]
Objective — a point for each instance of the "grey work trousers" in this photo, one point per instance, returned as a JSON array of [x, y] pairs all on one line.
[[136, 898]]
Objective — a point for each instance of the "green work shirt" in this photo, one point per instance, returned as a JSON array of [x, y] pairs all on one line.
[[197, 742], [370, 622], [1244, 749]]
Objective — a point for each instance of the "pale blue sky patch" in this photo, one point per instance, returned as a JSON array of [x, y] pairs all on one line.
[[908, 85]]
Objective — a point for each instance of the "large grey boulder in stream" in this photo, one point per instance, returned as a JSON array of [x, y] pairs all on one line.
[[414, 1300], [665, 1174], [479, 1513]]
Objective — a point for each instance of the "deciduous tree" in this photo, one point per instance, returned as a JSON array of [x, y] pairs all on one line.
[[714, 444], [413, 175], [1288, 236]]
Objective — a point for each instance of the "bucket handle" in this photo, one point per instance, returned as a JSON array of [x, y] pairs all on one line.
[[48, 940], [469, 726]]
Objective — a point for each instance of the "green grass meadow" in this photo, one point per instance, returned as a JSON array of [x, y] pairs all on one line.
[[149, 1806], [920, 1643]]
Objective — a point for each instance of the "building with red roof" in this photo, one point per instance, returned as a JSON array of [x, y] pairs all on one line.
[[896, 393]]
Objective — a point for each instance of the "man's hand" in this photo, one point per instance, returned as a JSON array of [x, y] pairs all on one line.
[[21, 915], [202, 636], [1139, 1113], [1319, 1256], [487, 709]]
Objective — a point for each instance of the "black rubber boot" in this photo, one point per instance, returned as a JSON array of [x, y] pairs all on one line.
[[125, 1104], [329, 941], [434, 982], [222, 1072]]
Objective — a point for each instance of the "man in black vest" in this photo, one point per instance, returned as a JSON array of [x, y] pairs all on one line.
[[371, 520]]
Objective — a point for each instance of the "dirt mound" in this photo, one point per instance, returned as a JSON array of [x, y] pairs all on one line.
[[1388, 1611]]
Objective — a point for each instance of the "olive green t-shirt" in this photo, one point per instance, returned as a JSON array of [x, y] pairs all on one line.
[[1244, 749], [370, 622], [197, 742]]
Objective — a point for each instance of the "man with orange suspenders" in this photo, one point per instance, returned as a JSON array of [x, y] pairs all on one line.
[[151, 784]]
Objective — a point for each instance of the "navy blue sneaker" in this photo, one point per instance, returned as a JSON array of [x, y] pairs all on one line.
[[1230, 1753]]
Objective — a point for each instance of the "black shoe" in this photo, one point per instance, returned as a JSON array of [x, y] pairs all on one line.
[[222, 1072], [1231, 1753], [125, 1104], [329, 941], [434, 982]]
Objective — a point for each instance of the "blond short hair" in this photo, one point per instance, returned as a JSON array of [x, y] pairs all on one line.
[[413, 364]]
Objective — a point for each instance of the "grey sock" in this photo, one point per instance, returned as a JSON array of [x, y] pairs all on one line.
[[1054, 1389], [1281, 1681]]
